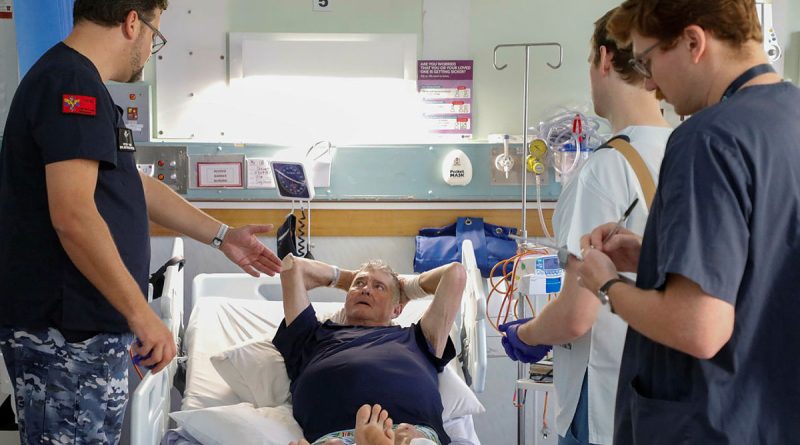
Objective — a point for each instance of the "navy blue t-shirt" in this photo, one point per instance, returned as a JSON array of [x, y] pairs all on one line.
[[726, 216], [39, 286], [336, 369]]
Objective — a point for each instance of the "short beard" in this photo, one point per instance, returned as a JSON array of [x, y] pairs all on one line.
[[660, 94], [137, 76], [137, 67]]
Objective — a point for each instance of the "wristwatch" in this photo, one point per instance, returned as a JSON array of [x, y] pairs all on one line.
[[217, 241], [602, 293]]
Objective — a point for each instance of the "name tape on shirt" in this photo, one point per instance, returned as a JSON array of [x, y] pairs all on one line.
[[74, 104], [125, 139]]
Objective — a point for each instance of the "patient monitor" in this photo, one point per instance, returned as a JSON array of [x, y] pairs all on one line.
[[540, 275]]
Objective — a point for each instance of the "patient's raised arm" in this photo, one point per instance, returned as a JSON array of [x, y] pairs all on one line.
[[447, 283], [298, 276]]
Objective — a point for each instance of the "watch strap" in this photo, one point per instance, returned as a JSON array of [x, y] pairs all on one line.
[[217, 241], [602, 293]]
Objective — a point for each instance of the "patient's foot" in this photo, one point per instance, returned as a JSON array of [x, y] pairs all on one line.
[[405, 432], [373, 426]]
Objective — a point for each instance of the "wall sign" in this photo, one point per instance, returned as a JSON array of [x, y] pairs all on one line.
[[445, 87], [6, 9], [321, 5]]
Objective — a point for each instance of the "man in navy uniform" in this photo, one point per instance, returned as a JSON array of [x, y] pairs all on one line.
[[74, 231]]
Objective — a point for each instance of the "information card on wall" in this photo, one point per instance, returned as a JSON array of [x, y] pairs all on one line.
[[446, 90], [6, 9]]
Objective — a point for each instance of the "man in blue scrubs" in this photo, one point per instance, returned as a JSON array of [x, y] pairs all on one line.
[[74, 231], [711, 352]]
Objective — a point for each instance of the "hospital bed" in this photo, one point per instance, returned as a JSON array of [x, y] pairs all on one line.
[[231, 309], [150, 402]]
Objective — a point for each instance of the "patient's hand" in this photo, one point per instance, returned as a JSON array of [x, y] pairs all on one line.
[[403, 296], [314, 273]]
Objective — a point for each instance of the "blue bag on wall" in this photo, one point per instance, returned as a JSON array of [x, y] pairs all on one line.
[[442, 245]]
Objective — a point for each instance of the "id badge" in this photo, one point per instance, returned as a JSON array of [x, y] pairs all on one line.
[[125, 139]]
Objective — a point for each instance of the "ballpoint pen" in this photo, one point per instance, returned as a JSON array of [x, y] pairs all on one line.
[[621, 221]]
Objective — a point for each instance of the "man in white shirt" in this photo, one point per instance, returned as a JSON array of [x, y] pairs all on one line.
[[589, 338]]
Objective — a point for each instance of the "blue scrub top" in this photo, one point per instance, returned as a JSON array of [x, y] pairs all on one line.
[[336, 369], [726, 216], [62, 111]]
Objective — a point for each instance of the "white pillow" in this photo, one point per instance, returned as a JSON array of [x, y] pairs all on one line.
[[257, 374], [240, 424], [457, 399], [255, 371]]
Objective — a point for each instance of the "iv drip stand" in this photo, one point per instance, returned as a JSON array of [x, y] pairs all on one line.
[[521, 371]]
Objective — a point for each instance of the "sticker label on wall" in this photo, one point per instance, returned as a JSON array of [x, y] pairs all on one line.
[[6, 9], [321, 5], [259, 174], [219, 174]]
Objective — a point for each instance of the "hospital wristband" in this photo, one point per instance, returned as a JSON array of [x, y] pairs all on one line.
[[335, 279]]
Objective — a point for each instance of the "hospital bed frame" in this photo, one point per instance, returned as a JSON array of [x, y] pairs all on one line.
[[150, 402]]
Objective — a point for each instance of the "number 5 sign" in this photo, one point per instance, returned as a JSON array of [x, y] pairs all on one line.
[[321, 5]]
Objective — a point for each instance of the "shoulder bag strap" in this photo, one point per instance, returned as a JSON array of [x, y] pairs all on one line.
[[639, 167]]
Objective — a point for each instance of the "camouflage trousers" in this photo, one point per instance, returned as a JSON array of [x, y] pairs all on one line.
[[67, 393]]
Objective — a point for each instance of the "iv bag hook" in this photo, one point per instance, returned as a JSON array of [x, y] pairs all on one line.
[[527, 47], [521, 369]]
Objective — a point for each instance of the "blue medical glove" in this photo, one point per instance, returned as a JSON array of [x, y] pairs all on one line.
[[517, 349], [137, 359]]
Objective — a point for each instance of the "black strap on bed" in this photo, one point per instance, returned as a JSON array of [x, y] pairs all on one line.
[[157, 278]]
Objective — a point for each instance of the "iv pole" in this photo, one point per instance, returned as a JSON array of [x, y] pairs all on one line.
[[521, 374]]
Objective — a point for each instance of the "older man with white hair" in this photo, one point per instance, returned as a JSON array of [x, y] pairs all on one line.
[[337, 368]]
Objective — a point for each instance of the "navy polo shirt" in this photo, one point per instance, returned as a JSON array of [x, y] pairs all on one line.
[[336, 369], [62, 111], [726, 216]]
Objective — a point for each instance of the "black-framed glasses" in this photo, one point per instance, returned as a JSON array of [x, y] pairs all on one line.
[[640, 65], [158, 39]]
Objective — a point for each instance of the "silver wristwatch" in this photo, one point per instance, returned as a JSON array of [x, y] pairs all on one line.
[[602, 293]]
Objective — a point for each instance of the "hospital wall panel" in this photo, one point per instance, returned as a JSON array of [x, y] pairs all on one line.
[[372, 223]]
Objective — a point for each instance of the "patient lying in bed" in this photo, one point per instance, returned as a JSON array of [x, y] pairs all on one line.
[[335, 368]]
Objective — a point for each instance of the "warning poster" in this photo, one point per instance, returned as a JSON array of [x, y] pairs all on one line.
[[446, 90]]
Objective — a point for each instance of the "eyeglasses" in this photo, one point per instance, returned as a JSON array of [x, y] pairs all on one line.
[[640, 65], [158, 39]]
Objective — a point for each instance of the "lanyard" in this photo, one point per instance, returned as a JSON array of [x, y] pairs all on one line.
[[747, 76]]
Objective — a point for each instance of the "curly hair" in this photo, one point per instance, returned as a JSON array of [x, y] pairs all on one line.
[[733, 21]]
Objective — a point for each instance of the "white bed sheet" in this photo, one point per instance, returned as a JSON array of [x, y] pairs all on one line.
[[217, 323]]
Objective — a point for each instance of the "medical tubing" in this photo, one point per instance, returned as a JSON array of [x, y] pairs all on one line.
[[301, 233], [541, 208], [507, 306], [559, 132]]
